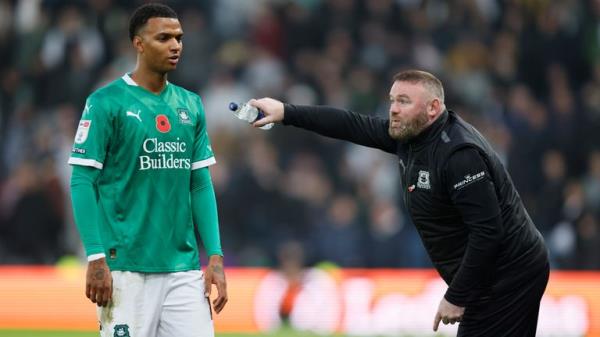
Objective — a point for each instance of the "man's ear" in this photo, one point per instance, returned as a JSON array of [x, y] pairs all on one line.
[[434, 108], [137, 44]]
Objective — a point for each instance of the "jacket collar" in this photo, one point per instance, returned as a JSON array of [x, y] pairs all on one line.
[[431, 132]]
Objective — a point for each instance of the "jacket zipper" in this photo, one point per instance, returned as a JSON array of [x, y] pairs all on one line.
[[406, 188]]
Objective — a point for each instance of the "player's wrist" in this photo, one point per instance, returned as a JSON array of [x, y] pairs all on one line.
[[101, 261], [215, 259], [94, 257], [454, 298]]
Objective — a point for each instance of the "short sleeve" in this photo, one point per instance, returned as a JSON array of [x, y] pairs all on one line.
[[93, 134], [203, 155]]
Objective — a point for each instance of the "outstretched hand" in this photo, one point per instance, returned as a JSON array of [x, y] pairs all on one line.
[[214, 274], [272, 108]]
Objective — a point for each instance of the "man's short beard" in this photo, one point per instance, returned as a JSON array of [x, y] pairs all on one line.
[[410, 129]]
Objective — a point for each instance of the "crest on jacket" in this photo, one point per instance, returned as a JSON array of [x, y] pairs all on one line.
[[423, 180]]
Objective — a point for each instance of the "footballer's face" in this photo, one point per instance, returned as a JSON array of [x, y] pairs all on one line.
[[159, 44], [409, 110]]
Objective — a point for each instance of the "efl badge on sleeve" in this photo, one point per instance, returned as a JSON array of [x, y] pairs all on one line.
[[82, 131]]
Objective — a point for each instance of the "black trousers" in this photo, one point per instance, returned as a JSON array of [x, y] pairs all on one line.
[[508, 314]]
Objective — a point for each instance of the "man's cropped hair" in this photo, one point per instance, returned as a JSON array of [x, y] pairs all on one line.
[[145, 12], [428, 80]]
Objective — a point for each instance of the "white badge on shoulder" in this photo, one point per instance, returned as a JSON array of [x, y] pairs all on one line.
[[469, 179], [82, 131]]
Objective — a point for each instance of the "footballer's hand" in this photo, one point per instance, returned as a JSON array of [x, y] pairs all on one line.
[[215, 275], [272, 108], [447, 313], [98, 282]]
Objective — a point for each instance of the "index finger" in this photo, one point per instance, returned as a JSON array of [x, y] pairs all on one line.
[[222, 287], [255, 103], [436, 321], [219, 303], [221, 300]]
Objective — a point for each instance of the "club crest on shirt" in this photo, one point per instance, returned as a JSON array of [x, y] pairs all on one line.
[[82, 131], [121, 330], [184, 116], [423, 180]]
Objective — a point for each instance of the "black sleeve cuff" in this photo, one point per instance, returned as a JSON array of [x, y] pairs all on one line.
[[456, 299], [290, 113]]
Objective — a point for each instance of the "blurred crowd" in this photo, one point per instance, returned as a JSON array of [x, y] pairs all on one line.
[[526, 73]]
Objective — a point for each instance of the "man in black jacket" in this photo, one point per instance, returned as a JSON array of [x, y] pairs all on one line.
[[460, 198]]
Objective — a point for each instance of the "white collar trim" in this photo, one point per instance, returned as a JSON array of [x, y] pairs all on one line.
[[129, 80]]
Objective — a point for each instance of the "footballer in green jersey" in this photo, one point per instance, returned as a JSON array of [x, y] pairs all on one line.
[[140, 186], [146, 146]]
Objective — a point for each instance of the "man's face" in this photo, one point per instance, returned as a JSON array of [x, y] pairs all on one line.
[[408, 110], [160, 44]]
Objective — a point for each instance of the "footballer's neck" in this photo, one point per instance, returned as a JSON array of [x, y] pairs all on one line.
[[148, 79]]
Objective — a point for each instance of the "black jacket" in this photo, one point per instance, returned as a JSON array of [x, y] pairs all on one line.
[[459, 196]]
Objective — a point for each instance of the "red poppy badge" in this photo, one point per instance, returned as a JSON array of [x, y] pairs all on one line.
[[162, 124]]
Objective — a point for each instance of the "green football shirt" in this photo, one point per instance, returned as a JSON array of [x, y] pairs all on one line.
[[146, 146]]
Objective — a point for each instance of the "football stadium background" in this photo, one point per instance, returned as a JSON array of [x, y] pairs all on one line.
[[315, 236]]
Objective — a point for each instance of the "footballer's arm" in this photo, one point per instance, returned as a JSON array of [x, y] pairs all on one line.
[[98, 284], [204, 212]]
